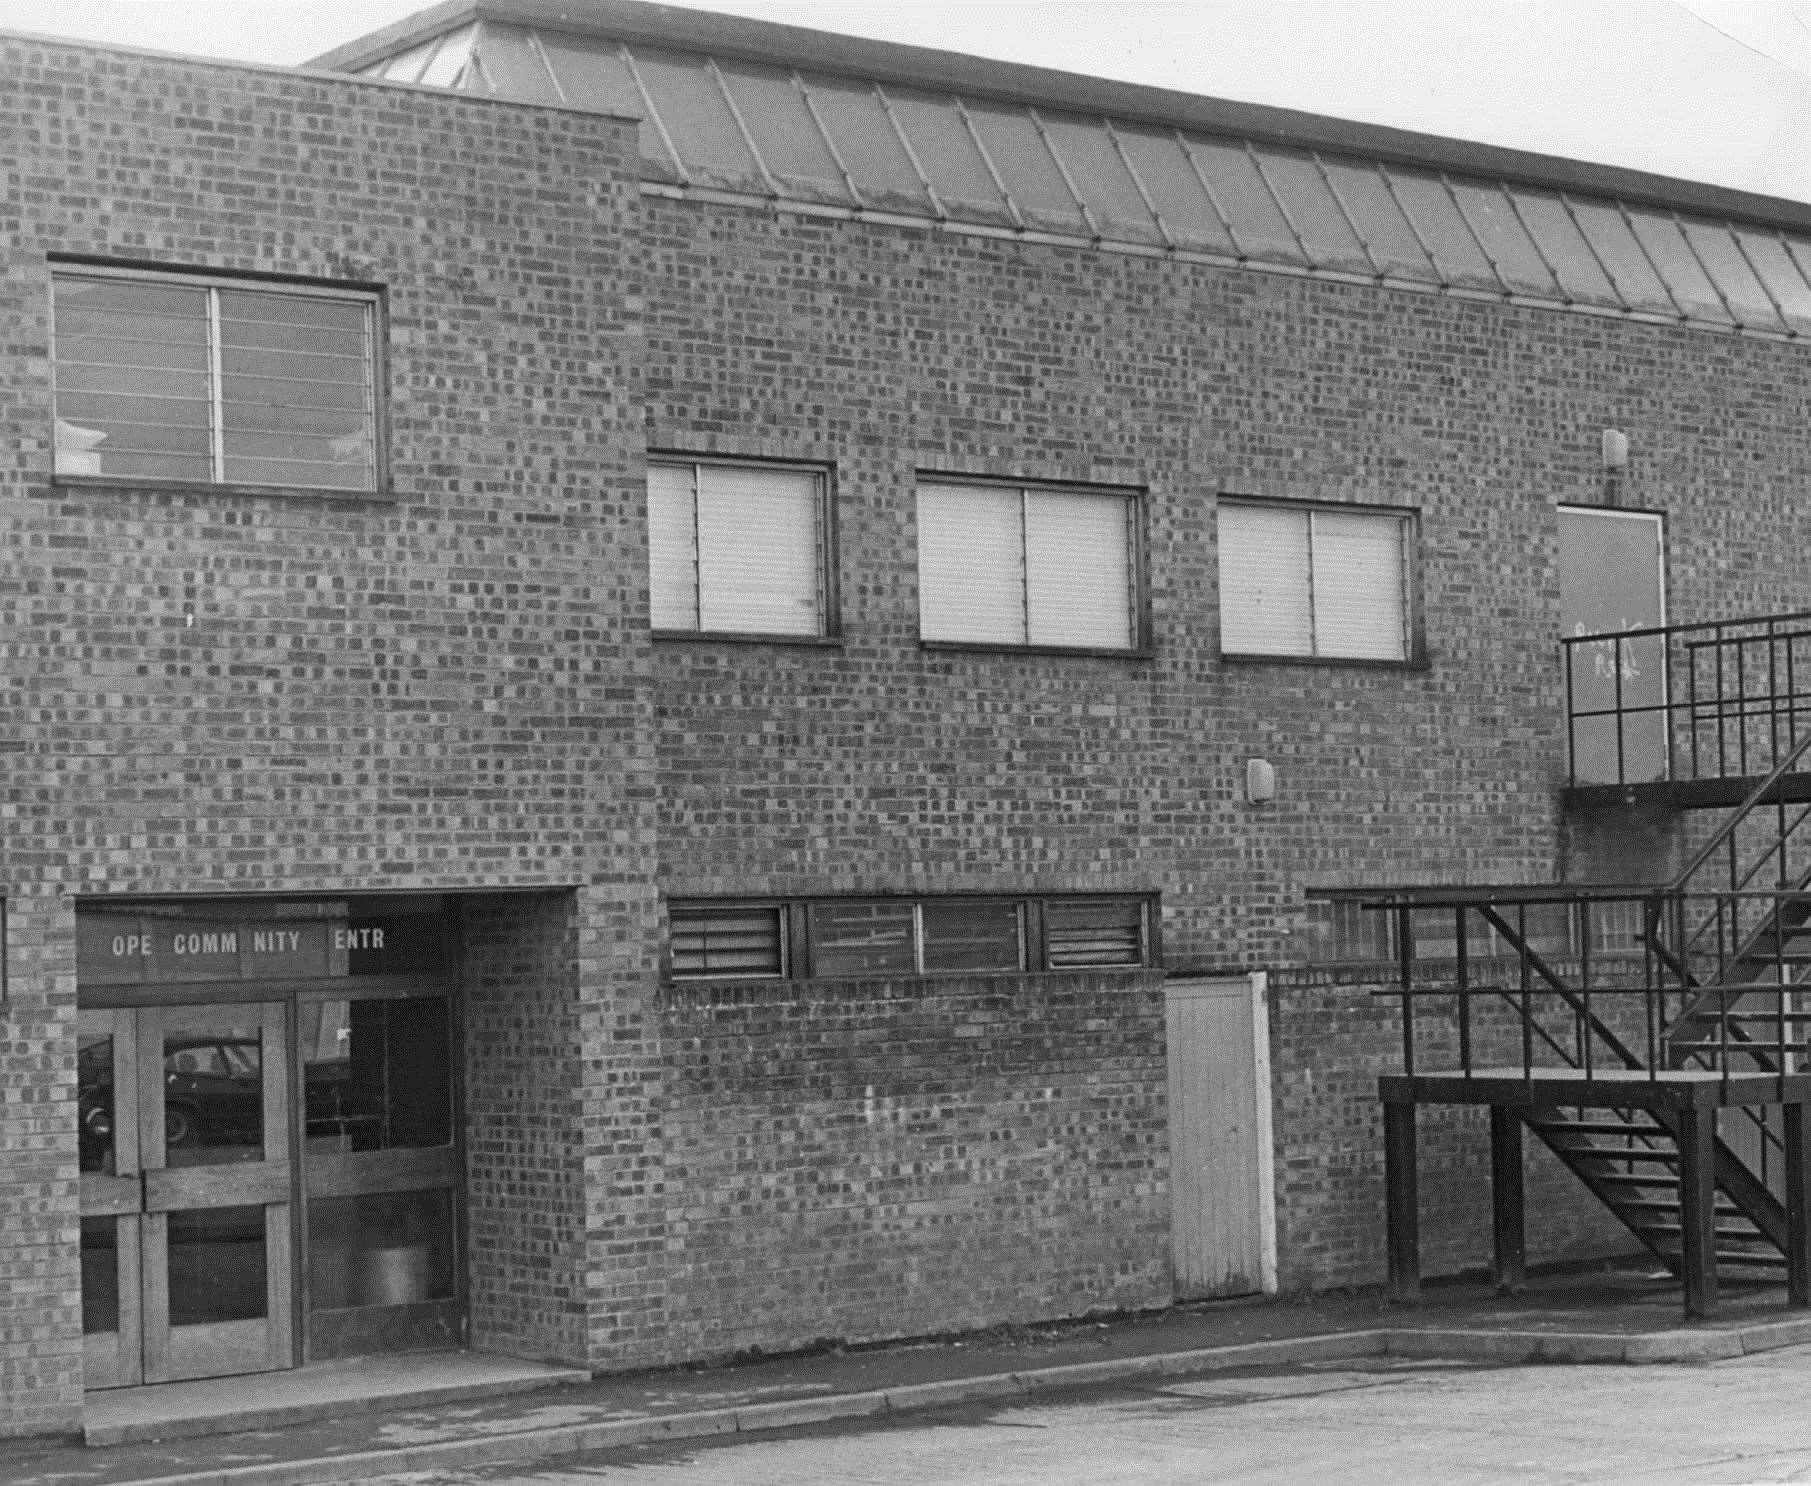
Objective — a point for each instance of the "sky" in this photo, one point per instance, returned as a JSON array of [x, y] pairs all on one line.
[[1708, 90]]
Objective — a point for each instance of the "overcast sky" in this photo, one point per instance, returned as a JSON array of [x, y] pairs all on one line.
[[1712, 90]]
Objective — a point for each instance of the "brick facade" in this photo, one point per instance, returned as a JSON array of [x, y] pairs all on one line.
[[453, 690], [254, 694], [897, 1160]]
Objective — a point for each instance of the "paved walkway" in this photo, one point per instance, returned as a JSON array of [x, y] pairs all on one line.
[[1604, 1317]]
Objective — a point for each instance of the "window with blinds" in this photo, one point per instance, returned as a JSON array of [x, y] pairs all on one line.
[[171, 377], [731, 939], [1024, 567], [737, 549], [1094, 932], [851, 938], [1320, 582]]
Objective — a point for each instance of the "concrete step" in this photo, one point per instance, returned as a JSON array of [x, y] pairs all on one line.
[[322, 1390]]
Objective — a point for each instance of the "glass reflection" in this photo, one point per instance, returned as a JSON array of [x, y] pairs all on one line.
[[217, 1266], [94, 1102], [378, 1074], [213, 1087], [100, 1274], [393, 1248]]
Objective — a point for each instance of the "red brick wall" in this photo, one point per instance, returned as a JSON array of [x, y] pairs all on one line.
[[876, 765], [1332, 1035], [901, 1158], [453, 692], [525, 1174], [872, 765], [439, 691], [40, 1271]]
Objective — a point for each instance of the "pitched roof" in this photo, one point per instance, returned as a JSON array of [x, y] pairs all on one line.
[[748, 111]]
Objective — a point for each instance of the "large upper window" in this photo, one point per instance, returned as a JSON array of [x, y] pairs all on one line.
[[1027, 567], [1325, 583], [737, 549], [214, 381]]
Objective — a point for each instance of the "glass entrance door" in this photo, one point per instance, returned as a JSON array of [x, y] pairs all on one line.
[[186, 1192]]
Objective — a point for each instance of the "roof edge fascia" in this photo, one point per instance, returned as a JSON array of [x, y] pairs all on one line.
[[795, 46]]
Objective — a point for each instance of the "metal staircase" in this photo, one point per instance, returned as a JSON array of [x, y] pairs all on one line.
[[1653, 1038], [1629, 1159]]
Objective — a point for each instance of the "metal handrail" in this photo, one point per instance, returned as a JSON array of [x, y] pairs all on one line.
[[1726, 832], [1719, 1015], [1733, 698]]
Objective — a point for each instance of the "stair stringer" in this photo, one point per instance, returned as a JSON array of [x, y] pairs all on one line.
[[1747, 1197]]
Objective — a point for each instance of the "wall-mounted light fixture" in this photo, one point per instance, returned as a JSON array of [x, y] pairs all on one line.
[[1615, 465], [1260, 782]]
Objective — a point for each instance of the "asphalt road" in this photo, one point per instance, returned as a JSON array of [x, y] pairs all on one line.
[[1395, 1423]]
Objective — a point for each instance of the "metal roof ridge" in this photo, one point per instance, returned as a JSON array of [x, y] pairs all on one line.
[[741, 38], [299, 71]]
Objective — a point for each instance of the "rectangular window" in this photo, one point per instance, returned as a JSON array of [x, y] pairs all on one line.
[[960, 934], [846, 938], [737, 549], [214, 382], [1024, 567], [1318, 582], [1094, 931], [850, 939], [1341, 930], [728, 940]]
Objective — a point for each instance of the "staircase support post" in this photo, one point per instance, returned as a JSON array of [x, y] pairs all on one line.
[[1510, 1262], [1798, 1220], [1402, 1202], [1698, 1209]]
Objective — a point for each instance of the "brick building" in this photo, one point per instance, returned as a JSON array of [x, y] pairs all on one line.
[[635, 644]]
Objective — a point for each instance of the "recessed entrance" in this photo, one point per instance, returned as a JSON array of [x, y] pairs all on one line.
[[267, 1135]]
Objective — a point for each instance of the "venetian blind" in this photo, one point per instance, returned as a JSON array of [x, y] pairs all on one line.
[[727, 941], [1078, 570], [1094, 932], [1264, 582], [672, 548], [758, 545], [971, 564], [1359, 610], [172, 381]]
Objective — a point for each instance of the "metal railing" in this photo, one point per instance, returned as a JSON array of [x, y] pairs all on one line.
[[1726, 1001], [1721, 700]]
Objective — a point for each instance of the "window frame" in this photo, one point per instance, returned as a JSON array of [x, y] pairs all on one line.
[[1342, 933], [372, 298], [829, 591], [784, 934], [1408, 519], [798, 941], [1136, 499]]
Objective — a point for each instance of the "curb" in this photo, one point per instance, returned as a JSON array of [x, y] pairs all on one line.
[[1508, 1348]]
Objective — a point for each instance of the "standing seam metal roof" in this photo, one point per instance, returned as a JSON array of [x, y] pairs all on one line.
[[759, 133]]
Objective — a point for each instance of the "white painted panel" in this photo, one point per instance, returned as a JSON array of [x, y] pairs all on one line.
[[1223, 1224]]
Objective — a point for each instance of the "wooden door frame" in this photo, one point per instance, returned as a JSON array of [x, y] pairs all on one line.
[[115, 1359], [176, 1354]]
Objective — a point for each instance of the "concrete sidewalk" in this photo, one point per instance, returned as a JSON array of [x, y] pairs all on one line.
[[1619, 1316]]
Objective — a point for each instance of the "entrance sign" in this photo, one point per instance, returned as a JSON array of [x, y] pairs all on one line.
[[139, 948], [1611, 581]]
